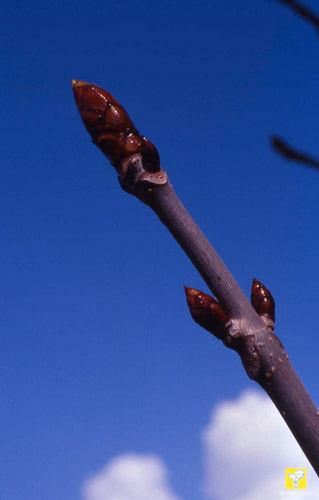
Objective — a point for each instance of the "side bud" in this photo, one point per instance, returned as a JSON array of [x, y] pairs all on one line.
[[111, 128], [263, 302], [207, 312]]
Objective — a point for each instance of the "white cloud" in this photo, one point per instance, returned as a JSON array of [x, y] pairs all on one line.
[[130, 477], [247, 447]]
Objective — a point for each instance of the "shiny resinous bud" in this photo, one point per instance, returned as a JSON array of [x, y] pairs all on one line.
[[262, 300], [111, 128], [207, 312]]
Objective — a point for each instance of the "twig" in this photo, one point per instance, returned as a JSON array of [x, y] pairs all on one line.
[[292, 154], [302, 11], [261, 352]]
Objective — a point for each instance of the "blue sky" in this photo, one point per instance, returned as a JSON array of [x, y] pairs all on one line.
[[99, 356]]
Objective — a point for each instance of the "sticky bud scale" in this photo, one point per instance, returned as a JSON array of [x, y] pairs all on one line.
[[111, 128], [262, 300], [207, 312]]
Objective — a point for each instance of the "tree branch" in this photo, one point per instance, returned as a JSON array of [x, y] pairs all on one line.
[[292, 154], [278, 144], [238, 325], [302, 11]]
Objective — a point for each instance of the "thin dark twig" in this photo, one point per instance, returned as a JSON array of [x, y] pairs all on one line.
[[302, 11], [292, 154]]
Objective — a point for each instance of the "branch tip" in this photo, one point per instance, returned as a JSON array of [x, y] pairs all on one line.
[[78, 83], [111, 128], [190, 292]]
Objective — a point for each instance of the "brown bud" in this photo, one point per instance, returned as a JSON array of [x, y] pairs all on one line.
[[262, 300], [111, 128], [207, 312]]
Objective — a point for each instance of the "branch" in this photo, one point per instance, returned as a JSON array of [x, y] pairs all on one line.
[[277, 143], [292, 154], [302, 11], [238, 324]]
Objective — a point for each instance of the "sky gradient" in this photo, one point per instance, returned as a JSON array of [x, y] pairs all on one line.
[[99, 355]]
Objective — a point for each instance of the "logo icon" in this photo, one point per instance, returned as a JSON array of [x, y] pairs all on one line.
[[296, 479]]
